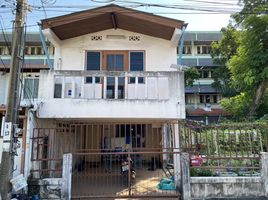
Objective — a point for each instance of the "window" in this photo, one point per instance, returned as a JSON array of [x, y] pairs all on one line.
[[136, 61], [205, 74], [93, 64], [201, 99], [93, 61], [198, 50], [121, 83], [204, 49], [207, 98], [30, 90], [136, 64], [215, 99], [110, 92], [39, 51], [187, 50], [115, 62], [2, 50]]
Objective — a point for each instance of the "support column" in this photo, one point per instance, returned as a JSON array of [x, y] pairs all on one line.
[[176, 156], [67, 176], [264, 172], [185, 177]]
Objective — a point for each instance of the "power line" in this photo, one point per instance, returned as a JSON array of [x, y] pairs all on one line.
[[42, 2]]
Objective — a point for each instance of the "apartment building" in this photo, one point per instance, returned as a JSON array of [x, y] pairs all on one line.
[[202, 100]]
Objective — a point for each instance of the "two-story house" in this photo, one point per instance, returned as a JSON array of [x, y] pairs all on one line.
[[115, 87]]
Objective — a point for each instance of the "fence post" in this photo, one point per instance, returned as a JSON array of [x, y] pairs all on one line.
[[185, 177], [66, 176], [264, 171]]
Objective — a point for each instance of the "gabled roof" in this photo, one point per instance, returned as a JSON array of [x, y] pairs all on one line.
[[108, 17]]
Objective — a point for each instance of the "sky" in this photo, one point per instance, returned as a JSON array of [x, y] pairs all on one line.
[[201, 15]]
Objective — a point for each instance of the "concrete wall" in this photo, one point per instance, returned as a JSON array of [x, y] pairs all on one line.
[[80, 108], [212, 187], [159, 53], [224, 187]]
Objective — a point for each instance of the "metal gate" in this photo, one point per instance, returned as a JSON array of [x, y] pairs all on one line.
[[106, 179], [99, 151], [106, 149]]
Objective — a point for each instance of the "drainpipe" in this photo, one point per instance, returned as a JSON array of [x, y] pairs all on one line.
[[43, 40], [181, 43]]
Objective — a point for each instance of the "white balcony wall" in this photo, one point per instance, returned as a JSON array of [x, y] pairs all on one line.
[[161, 96], [160, 54]]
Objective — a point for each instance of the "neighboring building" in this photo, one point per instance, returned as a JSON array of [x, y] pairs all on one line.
[[34, 61], [202, 100], [111, 87]]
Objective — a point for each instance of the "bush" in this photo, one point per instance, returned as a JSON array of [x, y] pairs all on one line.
[[200, 172]]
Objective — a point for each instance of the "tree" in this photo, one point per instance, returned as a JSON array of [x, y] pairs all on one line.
[[221, 53], [249, 66], [247, 59], [191, 75]]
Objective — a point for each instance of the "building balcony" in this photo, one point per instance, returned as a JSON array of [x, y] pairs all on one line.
[[105, 95]]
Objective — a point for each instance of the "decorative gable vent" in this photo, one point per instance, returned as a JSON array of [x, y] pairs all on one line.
[[96, 37], [134, 38]]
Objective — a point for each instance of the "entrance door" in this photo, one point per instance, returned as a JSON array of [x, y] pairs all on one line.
[[115, 61]]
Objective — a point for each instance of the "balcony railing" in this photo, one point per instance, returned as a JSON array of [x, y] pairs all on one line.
[[112, 85]]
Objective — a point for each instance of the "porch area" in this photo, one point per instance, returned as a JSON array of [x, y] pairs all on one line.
[[98, 152]]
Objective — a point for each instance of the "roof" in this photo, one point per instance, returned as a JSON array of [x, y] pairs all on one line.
[[31, 38], [201, 89], [202, 36], [108, 17]]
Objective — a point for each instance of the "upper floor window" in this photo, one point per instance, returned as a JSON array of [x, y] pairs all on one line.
[[115, 62], [4, 50], [205, 73], [187, 50], [93, 63], [209, 98], [30, 88], [136, 61], [33, 50], [1, 50], [204, 49]]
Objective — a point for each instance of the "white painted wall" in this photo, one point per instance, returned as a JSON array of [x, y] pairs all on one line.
[[172, 107], [159, 53], [3, 88]]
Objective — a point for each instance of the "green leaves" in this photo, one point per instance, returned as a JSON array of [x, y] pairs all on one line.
[[191, 75], [244, 52]]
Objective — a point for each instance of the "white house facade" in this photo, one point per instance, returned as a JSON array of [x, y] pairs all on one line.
[[114, 86]]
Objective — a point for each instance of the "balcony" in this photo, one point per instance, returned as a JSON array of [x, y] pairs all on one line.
[[102, 94]]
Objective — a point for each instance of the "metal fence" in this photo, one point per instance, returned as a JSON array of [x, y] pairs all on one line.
[[49, 144], [148, 174], [224, 150]]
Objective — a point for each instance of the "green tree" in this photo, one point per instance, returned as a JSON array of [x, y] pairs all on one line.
[[249, 66], [244, 49], [221, 52], [191, 75]]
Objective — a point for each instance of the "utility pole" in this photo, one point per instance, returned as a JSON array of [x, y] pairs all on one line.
[[10, 139]]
